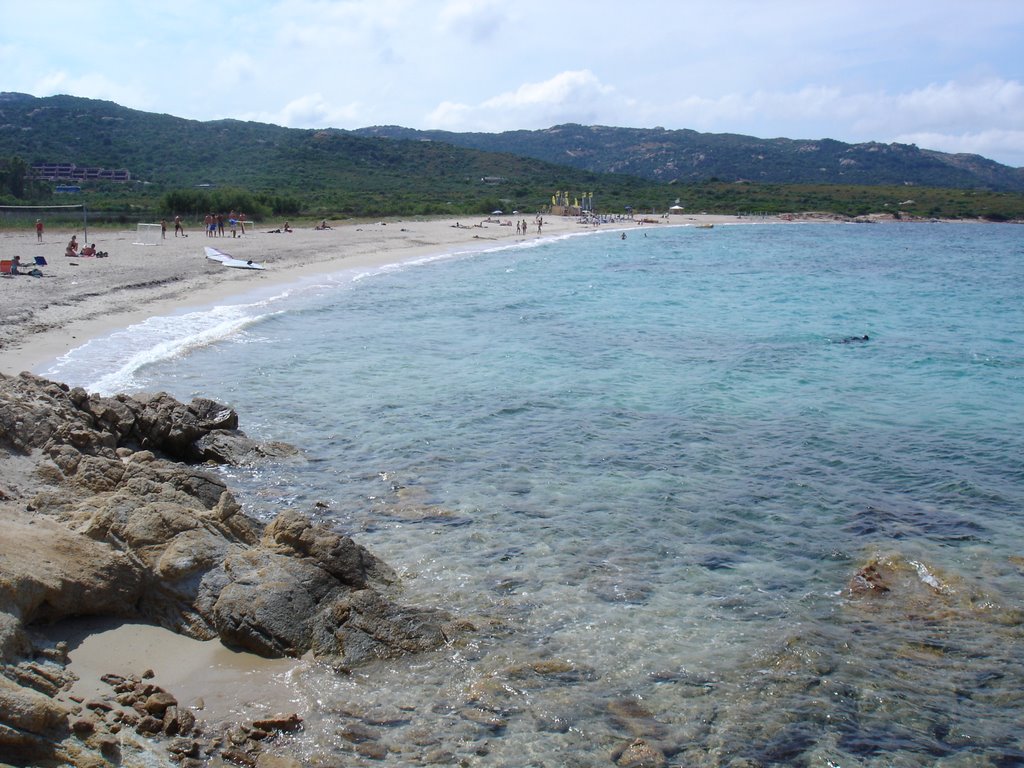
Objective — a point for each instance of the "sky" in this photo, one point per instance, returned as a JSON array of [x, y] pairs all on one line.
[[942, 74]]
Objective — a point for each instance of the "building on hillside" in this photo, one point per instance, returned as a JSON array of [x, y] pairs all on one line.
[[72, 172]]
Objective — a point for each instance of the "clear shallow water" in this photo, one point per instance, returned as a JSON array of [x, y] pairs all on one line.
[[648, 470]]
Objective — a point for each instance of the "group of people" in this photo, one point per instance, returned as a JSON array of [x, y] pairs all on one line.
[[213, 223], [72, 249]]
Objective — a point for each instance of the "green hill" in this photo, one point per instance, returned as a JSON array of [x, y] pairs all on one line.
[[326, 170], [686, 156], [179, 165]]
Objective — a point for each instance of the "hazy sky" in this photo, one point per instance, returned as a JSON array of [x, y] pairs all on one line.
[[944, 74]]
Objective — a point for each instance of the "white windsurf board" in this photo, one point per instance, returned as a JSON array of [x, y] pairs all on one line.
[[230, 261]]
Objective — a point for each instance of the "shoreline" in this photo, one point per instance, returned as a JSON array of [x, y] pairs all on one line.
[[224, 687], [79, 299]]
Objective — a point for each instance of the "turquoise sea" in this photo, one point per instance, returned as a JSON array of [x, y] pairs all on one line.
[[676, 499]]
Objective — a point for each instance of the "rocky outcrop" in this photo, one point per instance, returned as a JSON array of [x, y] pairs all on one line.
[[106, 513], [308, 588], [30, 722]]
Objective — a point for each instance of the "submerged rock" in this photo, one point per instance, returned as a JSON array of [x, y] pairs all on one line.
[[640, 754]]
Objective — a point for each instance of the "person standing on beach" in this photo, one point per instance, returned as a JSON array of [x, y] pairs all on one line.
[[177, 226], [39, 230], [163, 229]]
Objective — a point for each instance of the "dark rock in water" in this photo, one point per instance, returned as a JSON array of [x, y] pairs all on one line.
[[546, 672], [615, 590], [482, 717], [640, 754], [631, 716], [901, 523], [871, 579], [716, 562], [289, 722], [357, 733], [552, 722]]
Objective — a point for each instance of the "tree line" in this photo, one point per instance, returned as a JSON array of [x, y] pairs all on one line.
[[17, 184], [197, 202]]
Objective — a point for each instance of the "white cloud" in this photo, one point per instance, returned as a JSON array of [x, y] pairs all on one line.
[[309, 111], [573, 96], [90, 86], [1007, 145], [477, 20], [237, 69], [979, 116]]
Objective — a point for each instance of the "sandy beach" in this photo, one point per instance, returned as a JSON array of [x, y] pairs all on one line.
[[82, 298]]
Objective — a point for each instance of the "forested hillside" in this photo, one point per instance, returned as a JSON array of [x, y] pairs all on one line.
[[325, 169], [179, 164], [688, 156]]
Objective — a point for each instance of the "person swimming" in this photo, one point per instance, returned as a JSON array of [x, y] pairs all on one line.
[[854, 339]]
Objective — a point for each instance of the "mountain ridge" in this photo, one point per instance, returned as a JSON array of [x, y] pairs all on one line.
[[655, 154], [391, 170], [686, 156]]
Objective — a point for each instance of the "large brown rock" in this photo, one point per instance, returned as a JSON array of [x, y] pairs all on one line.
[[38, 412], [280, 602], [103, 513], [30, 723], [108, 518], [293, 534], [48, 573]]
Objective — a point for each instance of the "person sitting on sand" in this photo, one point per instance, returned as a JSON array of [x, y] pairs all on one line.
[[72, 249], [15, 263], [89, 250], [323, 225], [286, 228]]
